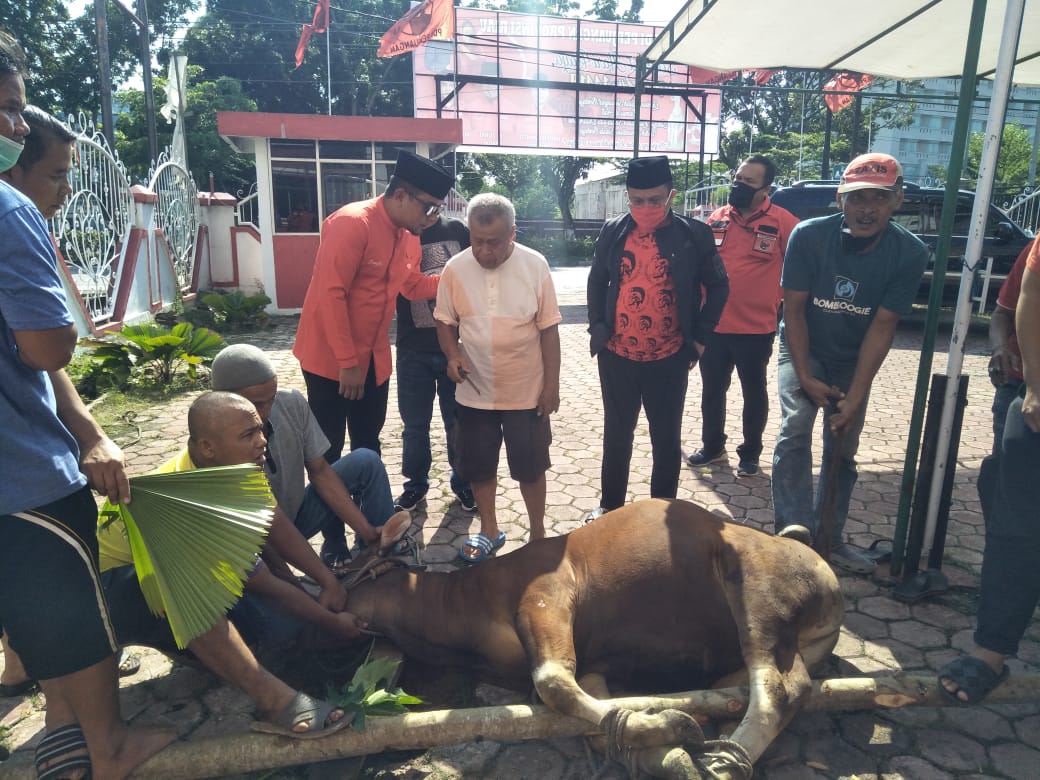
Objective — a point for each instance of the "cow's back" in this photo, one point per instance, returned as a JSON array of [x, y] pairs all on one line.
[[654, 583]]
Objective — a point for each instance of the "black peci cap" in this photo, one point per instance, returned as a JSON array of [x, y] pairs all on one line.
[[645, 173], [424, 174]]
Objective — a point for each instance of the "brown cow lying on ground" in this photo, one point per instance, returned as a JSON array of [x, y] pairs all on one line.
[[656, 596]]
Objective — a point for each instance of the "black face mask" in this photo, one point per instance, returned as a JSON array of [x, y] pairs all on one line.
[[855, 244], [741, 195]]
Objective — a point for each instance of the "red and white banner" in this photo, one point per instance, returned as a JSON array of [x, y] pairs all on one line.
[[431, 20], [319, 24], [844, 82]]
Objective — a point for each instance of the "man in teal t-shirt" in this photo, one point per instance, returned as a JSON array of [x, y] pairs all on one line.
[[847, 279]]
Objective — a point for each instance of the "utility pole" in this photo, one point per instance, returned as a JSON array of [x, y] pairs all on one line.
[[104, 73], [146, 67]]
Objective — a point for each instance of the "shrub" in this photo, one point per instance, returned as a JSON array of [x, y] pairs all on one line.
[[230, 311], [152, 354]]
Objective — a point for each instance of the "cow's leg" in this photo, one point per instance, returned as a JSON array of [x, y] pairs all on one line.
[[670, 763], [545, 626]]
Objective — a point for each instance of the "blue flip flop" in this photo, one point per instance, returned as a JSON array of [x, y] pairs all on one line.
[[483, 544]]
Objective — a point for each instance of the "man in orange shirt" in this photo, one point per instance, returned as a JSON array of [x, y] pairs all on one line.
[[369, 253], [751, 236]]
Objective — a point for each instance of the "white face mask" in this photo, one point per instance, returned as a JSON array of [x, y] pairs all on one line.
[[10, 151]]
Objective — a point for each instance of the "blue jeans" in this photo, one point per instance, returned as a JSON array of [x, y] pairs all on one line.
[[1002, 398], [364, 476], [420, 375], [794, 502], [1010, 493]]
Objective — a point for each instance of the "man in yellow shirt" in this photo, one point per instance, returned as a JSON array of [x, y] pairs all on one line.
[[224, 429]]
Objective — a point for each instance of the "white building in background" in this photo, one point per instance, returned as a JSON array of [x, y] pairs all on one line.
[[929, 141]]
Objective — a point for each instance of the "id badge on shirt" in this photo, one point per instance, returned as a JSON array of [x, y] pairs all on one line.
[[718, 229], [766, 237]]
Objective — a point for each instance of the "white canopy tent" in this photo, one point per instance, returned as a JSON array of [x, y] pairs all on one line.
[[901, 39]]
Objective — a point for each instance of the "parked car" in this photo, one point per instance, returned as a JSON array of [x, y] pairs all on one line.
[[921, 213]]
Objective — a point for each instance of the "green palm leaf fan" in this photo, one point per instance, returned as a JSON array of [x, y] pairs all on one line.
[[195, 537]]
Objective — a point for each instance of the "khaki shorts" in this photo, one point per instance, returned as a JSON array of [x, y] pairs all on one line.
[[478, 436]]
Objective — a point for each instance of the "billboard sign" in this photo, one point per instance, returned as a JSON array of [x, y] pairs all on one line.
[[559, 85]]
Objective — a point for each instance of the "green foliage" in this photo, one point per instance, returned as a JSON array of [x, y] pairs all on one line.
[[63, 50], [560, 250], [366, 693], [1012, 163], [207, 151], [235, 310], [254, 42], [152, 354]]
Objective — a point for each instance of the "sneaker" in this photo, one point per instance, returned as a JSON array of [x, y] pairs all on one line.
[[335, 555], [702, 457], [847, 557], [588, 517], [466, 500], [747, 468], [409, 499], [797, 532]]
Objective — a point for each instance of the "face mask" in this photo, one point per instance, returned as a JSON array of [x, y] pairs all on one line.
[[10, 151], [648, 218], [741, 195], [855, 244]]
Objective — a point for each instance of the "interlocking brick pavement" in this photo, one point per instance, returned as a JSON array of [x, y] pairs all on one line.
[[880, 636]]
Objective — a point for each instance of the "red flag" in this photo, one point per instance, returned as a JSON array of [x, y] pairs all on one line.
[[430, 20], [319, 24], [844, 82], [762, 76]]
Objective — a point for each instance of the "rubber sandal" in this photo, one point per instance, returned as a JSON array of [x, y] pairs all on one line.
[[62, 753], [18, 689], [304, 708], [129, 663], [482, 543], [971, 675]]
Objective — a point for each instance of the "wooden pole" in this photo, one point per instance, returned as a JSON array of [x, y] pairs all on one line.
[[234, 754]]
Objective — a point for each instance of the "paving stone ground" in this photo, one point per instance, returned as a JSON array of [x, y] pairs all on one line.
[[881, 635]]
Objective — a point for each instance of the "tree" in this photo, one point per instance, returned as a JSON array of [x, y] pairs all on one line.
[[207, 151], [63, 51], [1016, 149], [254, 42]]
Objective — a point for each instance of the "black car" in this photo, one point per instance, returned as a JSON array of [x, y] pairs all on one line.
[[921, 213]]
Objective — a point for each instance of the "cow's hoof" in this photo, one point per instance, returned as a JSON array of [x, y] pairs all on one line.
[[670, 763], [628, 729], [723, 759]]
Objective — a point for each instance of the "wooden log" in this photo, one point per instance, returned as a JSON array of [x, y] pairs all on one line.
[[238, 753]]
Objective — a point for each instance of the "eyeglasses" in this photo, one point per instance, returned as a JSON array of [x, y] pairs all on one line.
[[432, 209]]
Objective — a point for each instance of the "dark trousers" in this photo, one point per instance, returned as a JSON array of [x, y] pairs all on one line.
[[421, 376], [1010, 495], [362, 420], [659, 387], [749, 353]]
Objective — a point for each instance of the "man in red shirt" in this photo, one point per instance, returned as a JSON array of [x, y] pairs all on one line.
[[751, 236], [1005, 362], [369, 253]]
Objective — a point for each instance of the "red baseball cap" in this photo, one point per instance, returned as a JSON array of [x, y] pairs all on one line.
[[872, 172]]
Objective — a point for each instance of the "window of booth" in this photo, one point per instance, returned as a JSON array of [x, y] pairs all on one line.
[[343, 183], [295, 189]]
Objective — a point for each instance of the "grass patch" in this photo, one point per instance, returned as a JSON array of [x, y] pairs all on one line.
[[120, 413]]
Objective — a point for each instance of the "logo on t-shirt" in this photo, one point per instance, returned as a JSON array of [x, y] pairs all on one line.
[[845, 289]]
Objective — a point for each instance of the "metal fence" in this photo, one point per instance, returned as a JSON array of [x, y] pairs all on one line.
[[177, 215], [92, 228], [1024, 208]]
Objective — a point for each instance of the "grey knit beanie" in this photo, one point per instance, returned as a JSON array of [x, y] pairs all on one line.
[[240, 365]]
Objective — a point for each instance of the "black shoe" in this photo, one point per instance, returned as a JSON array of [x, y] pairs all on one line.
[[466, 500], [702, 457], [409, 499], [747, 468]]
